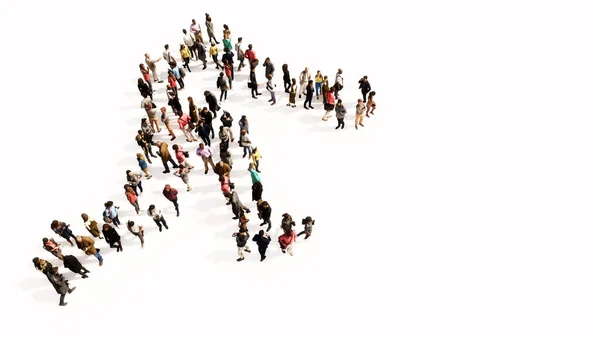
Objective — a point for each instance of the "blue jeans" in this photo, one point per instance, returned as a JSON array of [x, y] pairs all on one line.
[[98, 256], [318, 87], [273, 96]]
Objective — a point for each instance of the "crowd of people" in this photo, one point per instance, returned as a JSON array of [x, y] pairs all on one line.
[[195, 125]]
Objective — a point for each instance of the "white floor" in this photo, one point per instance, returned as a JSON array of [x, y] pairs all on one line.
[[465, 207]]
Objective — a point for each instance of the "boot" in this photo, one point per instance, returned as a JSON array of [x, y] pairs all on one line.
[[72, 289]]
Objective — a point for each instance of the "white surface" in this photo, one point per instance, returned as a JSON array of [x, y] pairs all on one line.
[[465, 207]]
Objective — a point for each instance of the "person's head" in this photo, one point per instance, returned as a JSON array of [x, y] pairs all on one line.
[[244, 118], [208, 18], [163, 109], [151, 207], [293, 81], [339, 101], [365, 77], [284, 67], [185, 31], [372, 93], [54, 224], [270, 76], [286, 216], [140, 156], [130, 223], [318, 72], [142, 66], [167, 187], [226, 27], [141, 82], [221, 74], [201, 146], [144, 120], [147, 55], [140, 132], [181, 166], [221, 128], [166, 47], [109, 204], [306, 69], [250, 46], [127, 172], [206, 93], [174, 147], [212, 44], [35, 260], [78, 238], [84, 217], [125, 187], [325, 78], [268, 59], [251, 166], [193, 21], [190, 99], [254, 150], [106, 227], [340, 71], [244, 131], [168, 85], [45, 240], [306, 220], [360, 101], [181, 47], [310, 82], [239, 40], [261, 232]]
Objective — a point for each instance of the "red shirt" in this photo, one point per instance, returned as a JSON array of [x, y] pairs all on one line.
[[250, 55]]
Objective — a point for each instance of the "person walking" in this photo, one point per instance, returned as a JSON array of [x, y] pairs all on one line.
[[269, 68], [181, 156], [246, 143], [149, 106], [222, 84], [241, 239], [143, 165], [271, 89], [203, 131], [226, 38], [139, 233], [189, 40], [292, 94], [228, 74], [287, 81], [229, 57], [286, 242], [134, 179], [339, 83], [256, 156], [214, 54], [223, 169], [210, 29], [70, 262], [201, 52], [60, 285], [236, 205], [206, 154], [171, 195], [144, 141], [196, 30], [257, 188], [207, 118], [250, 54], [329, 105], [112, 237], [240, 53], [178, 73], [86, 244], [164, 118], [91, 225], [253, 84], [340, 113], [224, 154], [309, 95], [52, 247], [111, 215], [165, 156], [303, 79], [184, 124], [43, 266], [159, 219], [318, 83], [132, 198], [167, 55], [264, 213], [211, 100], [308, 223], [371, 104], [244, 125], [262, 240], [151, 63], [143, 87], [185, 53], [360, 113], [287, 223], [62, 229], [227, 122], [364, 87], [183, 173]]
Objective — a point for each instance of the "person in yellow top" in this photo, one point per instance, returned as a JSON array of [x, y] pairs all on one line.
[[185, 53], [255, 158], [214, 53], [318, 82]]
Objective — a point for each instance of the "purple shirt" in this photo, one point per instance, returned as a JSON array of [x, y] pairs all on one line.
[[205, 153]]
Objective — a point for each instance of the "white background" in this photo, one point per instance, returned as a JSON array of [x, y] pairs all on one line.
[[466, 207]]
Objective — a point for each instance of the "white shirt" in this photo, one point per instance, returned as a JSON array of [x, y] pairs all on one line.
[[147, 103], [188, 40]]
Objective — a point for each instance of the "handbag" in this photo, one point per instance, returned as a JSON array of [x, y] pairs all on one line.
[[250, 85], [153, 105], [186, 154]]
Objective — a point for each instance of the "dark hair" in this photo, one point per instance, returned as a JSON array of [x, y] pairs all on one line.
[[54, 223], [151, 207], [339, 101], [239, 39], [125, 186], [127, 172], [166, 46], [284, 67], [184, 31], [226, 26], [261, 232], [140, 82], [250, 46]]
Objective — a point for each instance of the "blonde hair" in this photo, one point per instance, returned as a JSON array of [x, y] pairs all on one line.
[[140, 156]]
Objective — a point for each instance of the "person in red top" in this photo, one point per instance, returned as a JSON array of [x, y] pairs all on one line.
[[171, 195], [251, 56], [286, 241], [184, 121]]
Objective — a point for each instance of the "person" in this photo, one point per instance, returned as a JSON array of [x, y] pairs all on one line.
[[243, 222], [339, 83], [181, 156], [139, 233], [110, 213], [164, 118], [236, 205], [167, 55], [206, 154], [228, 58], [61, 285], [188, 40], [144, 140], [143, 165], [246, 143], [364, 86], [165, 156], [287, 223], [250, 54], [210, 29], [227, 122], [292, 96], [70, 262], [241, 239], [43, 266], [340, 112], [112, 237], [228, 74], [63, 230], [256, 156], [214, 53], [329, 105], [86, 244], [224, 154], [286, 241], [185, 53], [183, 173], [196, 30], [143, 87], [201, 51], [371, 104], [287, 81], [171, 195], [318, 83], [134, 179], [54, 248], [262, 240], [271, 88], [152, 66], [222, 84], [223, 169], [253, 84], [309, 95], [184, 122], [269, 68], [240, 53], [264, 213], [207, 118], [257, 187], [303, 79], [226, 186], [211, 100], [360, 113], [132, 198], [203, 131], [156, 215], [308, 223]]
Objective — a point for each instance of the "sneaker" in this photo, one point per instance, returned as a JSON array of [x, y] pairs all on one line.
[[101, 263], [240, 259], [63, 304], [262, 258], [247, 250]]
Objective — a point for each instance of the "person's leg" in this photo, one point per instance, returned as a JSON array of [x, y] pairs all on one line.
[[139, 185], [62, 300], [257, 170], [210, 161], [175, 165], [205, 160], [222, 93], [240, 253], [166, 165], [176, 206], [343, 123], [158, 223], [99, 257], [225, 94]]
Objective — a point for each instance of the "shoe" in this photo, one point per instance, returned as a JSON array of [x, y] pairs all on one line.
[[206, 171], [306, 108], [160, 81], [101, 263], [166, 227], [165, 172], [270, 100], [288, 104], [283, 251], [240, 259], [291, 253], [149, 177], [247, 250], [262, 258], [273, 103], [160, 229], [337, 127], [63, 304], [235, 218], [356, 126], [258, 171], [361, 125], [177, 215], [84, 276], [254, 97], [262, 224], [98, 249], [293, 106], [311, 107], [260, 93]]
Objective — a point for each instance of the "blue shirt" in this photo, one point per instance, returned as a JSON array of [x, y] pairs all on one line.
[[254, 176]]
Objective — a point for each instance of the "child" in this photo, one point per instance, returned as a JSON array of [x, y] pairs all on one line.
[[308, 223], [139, 233]]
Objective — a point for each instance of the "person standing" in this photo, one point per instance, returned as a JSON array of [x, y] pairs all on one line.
[[158, 218], [143, 165], [244, 125], [318, 83], [165, 155], [325, 88], [257, 187], [227, 122], [308, 223], [253, 84], [287, 81], [223, 169], [292, 98], [339, 83], [70, 262], [195, 29], [360, 113], [171, 195], [222, 84], [264, 213], [236, 205], [132, 198], [135, 181], [271, 89], [240, 53], [371, 104], [211, 100], [188, 40], [241, 238], [144, 88], [262, 240], [112, 237], [203, 131], [62, 229], [167, 55], [340, 113], [186, 54], [144, 141], [201, 52], [246, 143], [286, 242], [149, 106], [228, 57], [226, 38], [269, 68], [139, 233], [179, 75], [206, 154], [152, 66], [329, 105], [228, 73], [86, 244], [60, 285], [183, 173], [364, 87], [110, 213], [210, 29], [309, 95], [207, 118], [250, 54], [54, 248], [91, 225], [304, 79], [224, 154]]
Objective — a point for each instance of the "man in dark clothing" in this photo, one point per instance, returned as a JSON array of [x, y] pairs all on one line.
[[236, 205], [364, 87], [262, 239], [60, 285], [171, 195], [269, 67], [208, 118], [70, 262], [228, 55], [241, 239], [264, 213], [213, 104]]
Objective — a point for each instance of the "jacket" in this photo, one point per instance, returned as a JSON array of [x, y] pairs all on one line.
[[171, 195], [241, 239], [58, 282], [70, 262], [265, 211], [262, 241], [228, 57], [340, 111], [185, 52], [211, 100], [203, 130], [364, 86], [207, 116], [163, 151], [87, 245], [269, 68], [63, 230], [227, 120], [110, 235], [244, 126], [222, 169]]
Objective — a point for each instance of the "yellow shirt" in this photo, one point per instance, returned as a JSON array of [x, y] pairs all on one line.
[[185, 52], [319, 78], [256, 156], [213, 50]]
